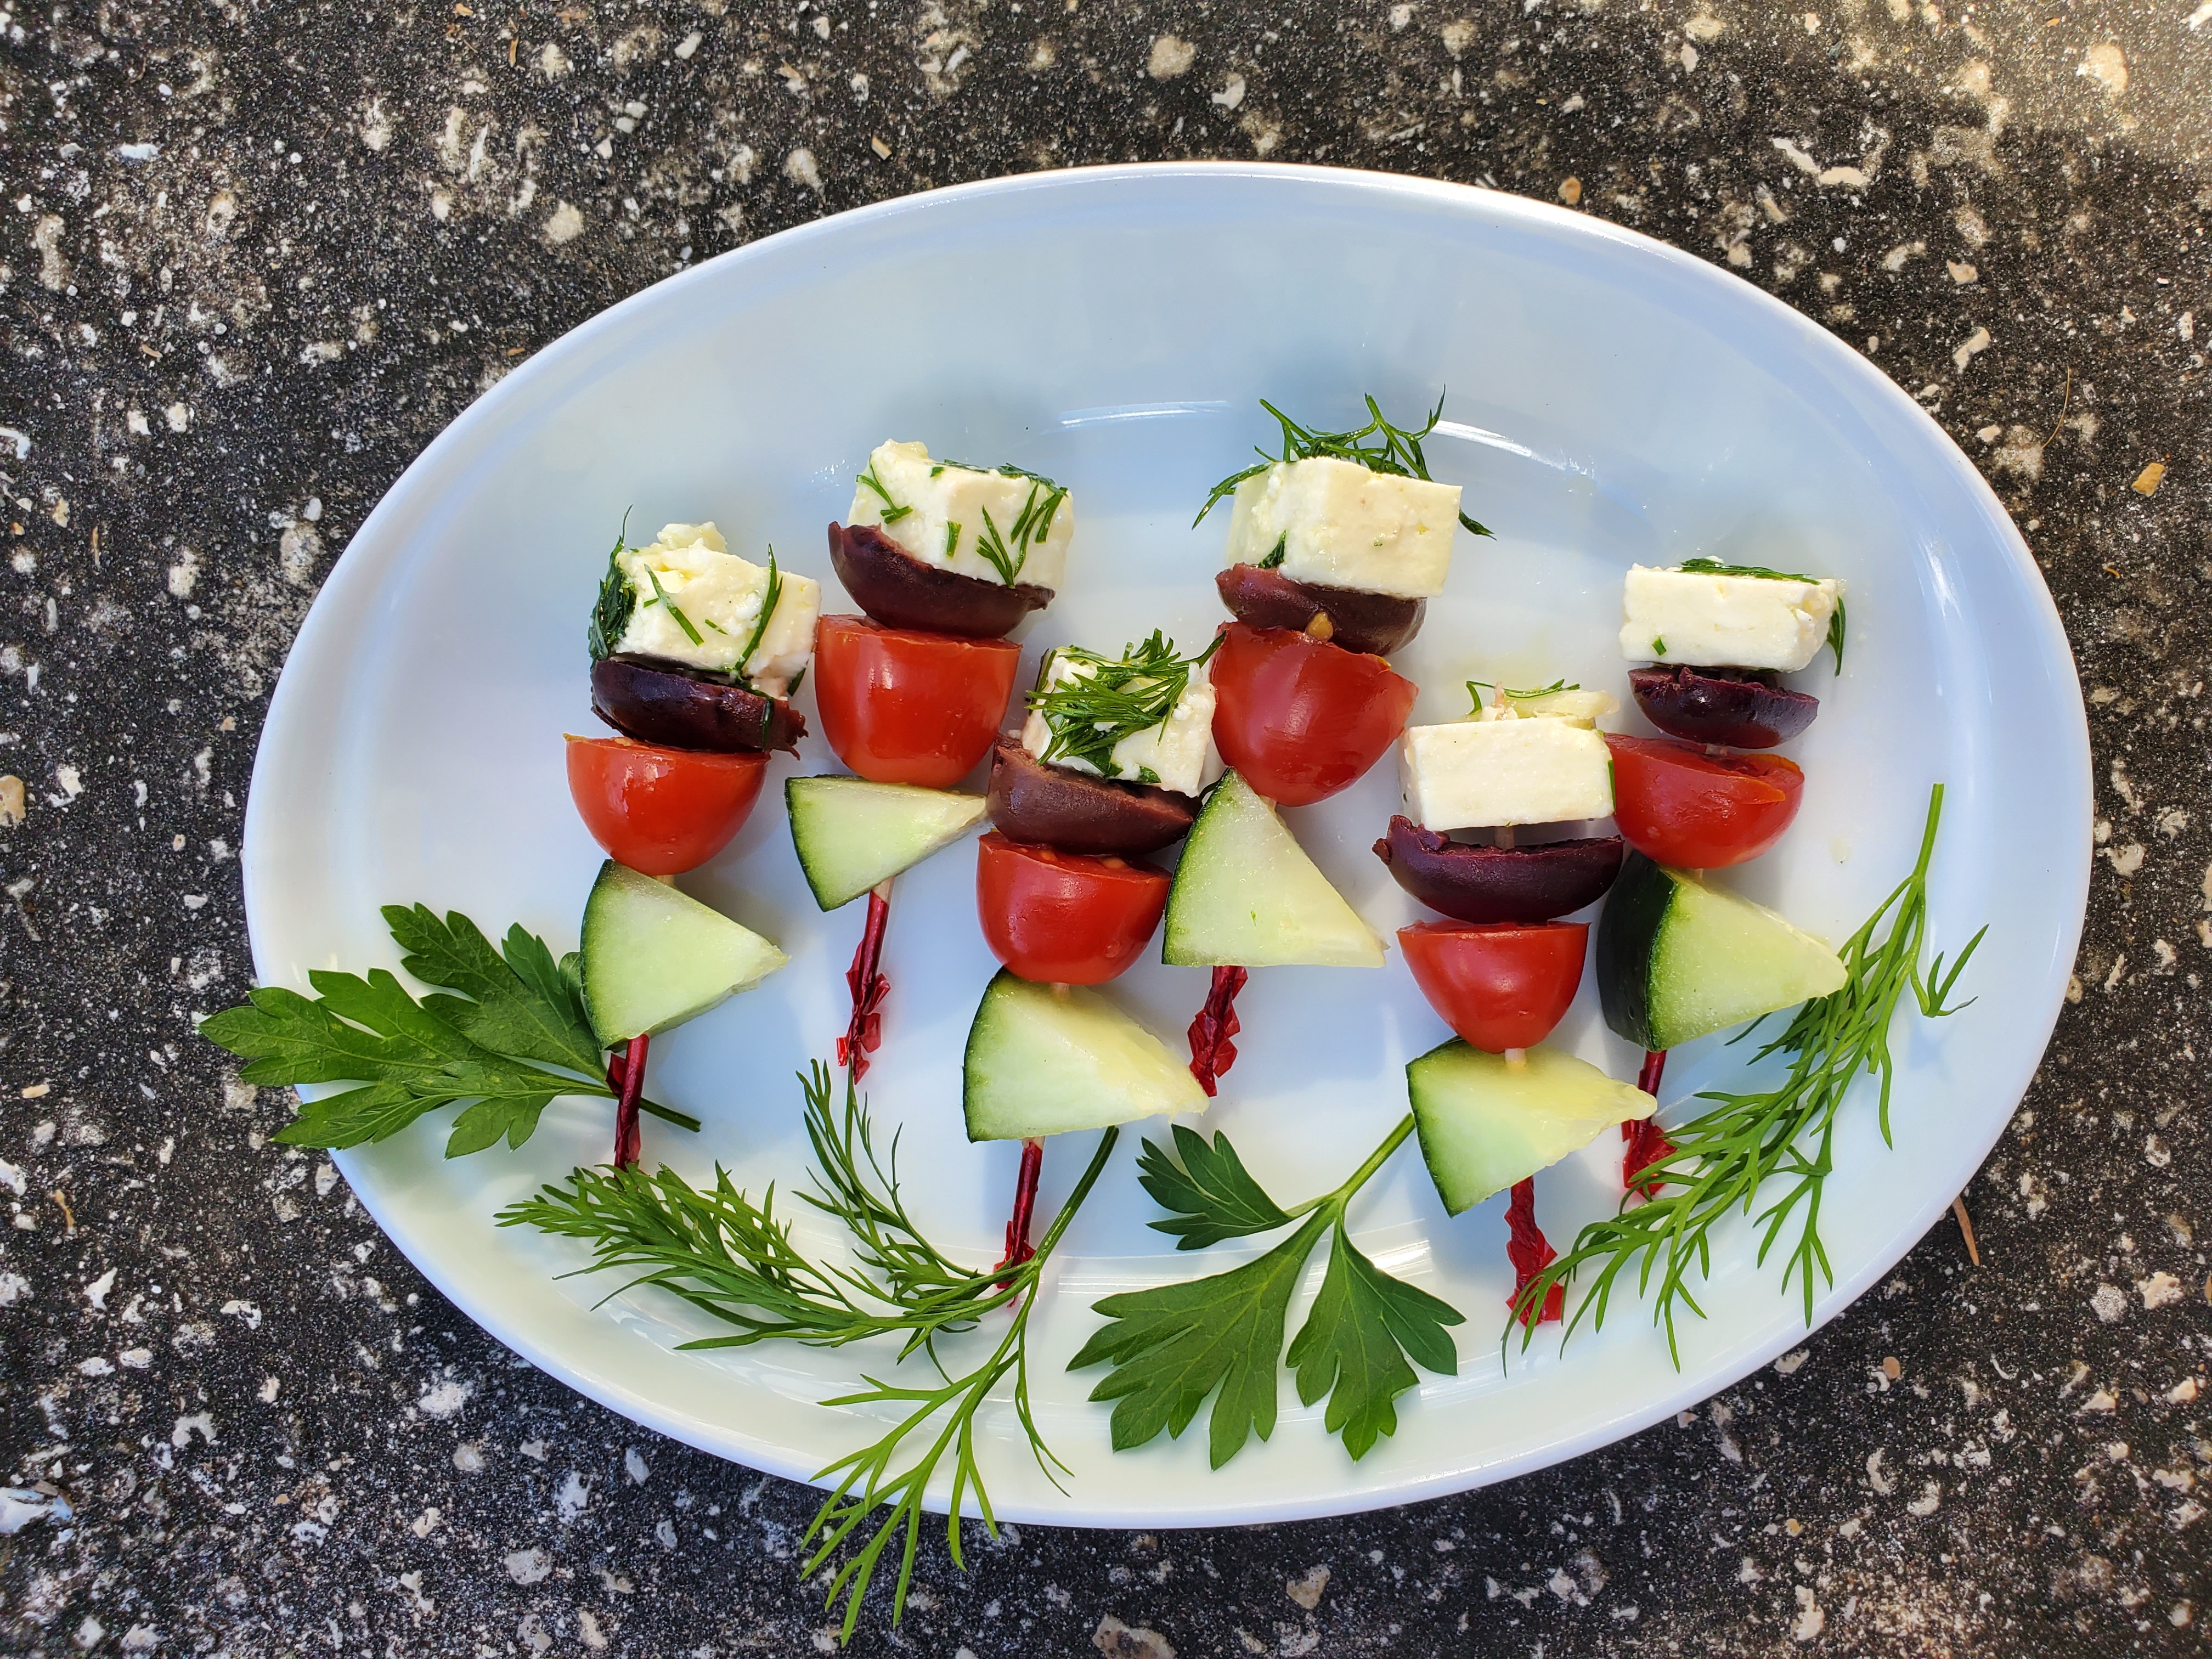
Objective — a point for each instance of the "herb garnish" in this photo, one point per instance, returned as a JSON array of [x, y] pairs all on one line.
[[510, 1042], [733, 1259], [682, 621], [1275, 555], [1702, 566], [1173, 1345], [1507, 694], [1089, 713], [611, 614], [1724, 1156], [770, 596], [1398, 452], [893, 511]]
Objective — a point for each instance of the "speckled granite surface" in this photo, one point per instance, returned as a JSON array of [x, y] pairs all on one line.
[[252, 258]]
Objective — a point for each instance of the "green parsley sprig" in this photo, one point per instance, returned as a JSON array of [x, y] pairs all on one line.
[[1088, 713], [735, 1260], [1705, 567], [1173, 1344], [1724, 1157], [513, 1040], [1395, 450]]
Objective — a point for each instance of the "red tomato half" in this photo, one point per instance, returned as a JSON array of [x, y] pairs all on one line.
[[1500, 985], [1680, 806], [899, 706], [661, 812], [1065, 918], [1301, 719]]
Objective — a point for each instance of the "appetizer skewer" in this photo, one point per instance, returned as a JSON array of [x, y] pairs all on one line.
[[694, 654], [945, 559], [1334, 549]]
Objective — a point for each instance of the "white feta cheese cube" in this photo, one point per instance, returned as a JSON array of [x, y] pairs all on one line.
[[696, 602], [1473, 774], [1711, 620], [1338, 525], [1176, 753], [967, 520]]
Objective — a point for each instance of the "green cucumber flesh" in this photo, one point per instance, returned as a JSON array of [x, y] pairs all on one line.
[[1677, 959], [653, 957], [851, 834], [1247, 895], [1485, 1123], [1045, 1060]]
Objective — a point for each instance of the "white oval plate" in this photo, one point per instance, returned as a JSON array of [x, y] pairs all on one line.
[[1611, 399]]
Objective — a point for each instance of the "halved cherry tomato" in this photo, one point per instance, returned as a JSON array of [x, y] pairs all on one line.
[[903, 707], [661, 812], [1065, 918], [1500, 985], [1301, 719], [1678, 804]]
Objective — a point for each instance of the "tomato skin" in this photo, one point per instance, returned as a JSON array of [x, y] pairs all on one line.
[[1065, 918], [899, 706], [1301, 719], [1679, 805], [661, 812], [1500, 985]]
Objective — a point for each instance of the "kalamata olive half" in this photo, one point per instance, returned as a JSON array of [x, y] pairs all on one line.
[[900, 591], [1500, 884], [661, 705], [1743, 708], [1051, 807], [1374, 623]]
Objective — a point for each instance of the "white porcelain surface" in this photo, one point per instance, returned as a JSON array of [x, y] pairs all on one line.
[[1610, 400]]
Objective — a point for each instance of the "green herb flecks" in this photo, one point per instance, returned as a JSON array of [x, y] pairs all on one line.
[[1008, 556], [1173, 1346], [1705, 567], [770, 596], [735, 1260], [1276, 555], [661, 596], [1723, 1158], [515, 1039], [1658, 645], [1089, 713], [611, 614], [1509, 694], [1395, 450], [893, 511], [951, 540]]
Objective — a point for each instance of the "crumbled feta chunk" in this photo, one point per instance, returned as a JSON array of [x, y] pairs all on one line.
[[946, 514], [1176, 753], [1483, 773], [687, 575], [1338, 525], [1712, 621]]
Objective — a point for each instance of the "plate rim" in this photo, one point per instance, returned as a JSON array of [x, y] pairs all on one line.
[[350, 582]]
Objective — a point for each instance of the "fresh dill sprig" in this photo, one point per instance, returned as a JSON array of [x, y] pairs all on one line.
[[661, 596], [1029, 528], [611, 613], [893, 511], [735, 1260], [769, 598], [1396, 450], [1704, 567], [1723, 1158], [1476, 688], [1088, 713]]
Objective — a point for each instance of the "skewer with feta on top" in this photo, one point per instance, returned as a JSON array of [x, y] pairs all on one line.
[[1496, 1105], [1111, 761], [945, 558], [1333, 550]]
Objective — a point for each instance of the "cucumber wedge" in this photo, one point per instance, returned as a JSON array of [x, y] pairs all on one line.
[[852, 834], [1247, 895], [1043, 1061], [1485, 1123], [1677, 959], [653, 957]]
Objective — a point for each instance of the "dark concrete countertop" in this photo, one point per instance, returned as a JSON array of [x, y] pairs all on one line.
[[254, 257]]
